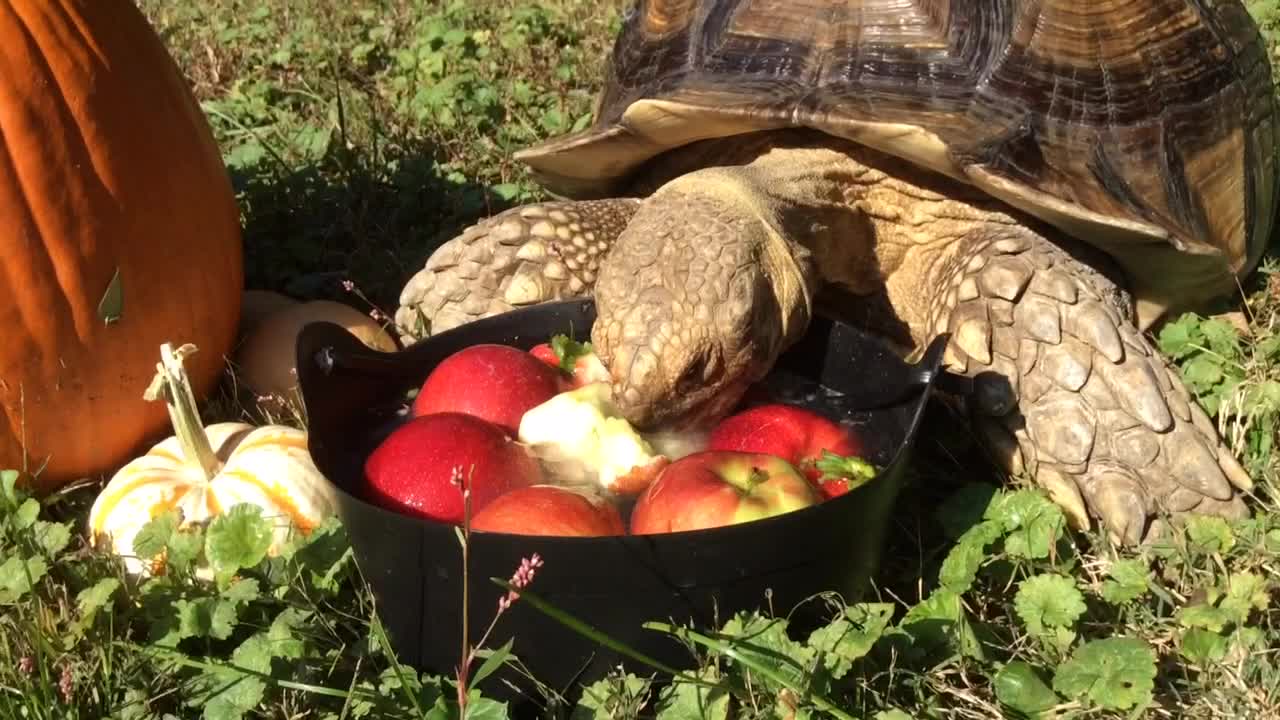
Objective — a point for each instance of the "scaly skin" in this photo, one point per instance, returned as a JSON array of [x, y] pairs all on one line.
[[1068, 391], [523, 256], [719, 270], [685, 322]]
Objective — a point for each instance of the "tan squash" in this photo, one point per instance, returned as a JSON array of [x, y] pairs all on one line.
[[258, 305], [204, 471], [266, 359]]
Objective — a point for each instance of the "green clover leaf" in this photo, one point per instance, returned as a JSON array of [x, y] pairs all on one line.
[[1128, 581], [238, 539], [1246, 592], [960, 567], [1222, 337], [1048, 600], [153, 537], [611, 697], [1200, 646], [27, 514], [850, 636], [1180, 337], [940, 622], [1210, 534], [90, 600], [689, 701], [52, 537], [183, 548], [1203, 615], [1033, 523], [1018, 686], [1116, 673], [18, 576], [764, 640]]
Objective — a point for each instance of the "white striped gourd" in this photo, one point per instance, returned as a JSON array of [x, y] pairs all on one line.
[[203, 471]]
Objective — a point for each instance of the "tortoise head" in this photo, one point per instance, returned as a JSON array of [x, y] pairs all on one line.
[[694, 304], [677, 365]]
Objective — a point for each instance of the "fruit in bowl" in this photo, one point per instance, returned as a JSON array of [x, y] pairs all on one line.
[[498, 383], [415, 469], [841, 473], [788, 431], [550, 510], [715, 488], [547, 452], [577, 362], [580, 436], [825, 451]]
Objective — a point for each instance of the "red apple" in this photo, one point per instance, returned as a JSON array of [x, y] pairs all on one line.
[[412, 470], [496, 382], [550, 510], [577, 362], [717, 488], [798, 435]]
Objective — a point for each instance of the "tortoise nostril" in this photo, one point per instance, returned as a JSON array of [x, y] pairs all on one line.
[[690, 378]]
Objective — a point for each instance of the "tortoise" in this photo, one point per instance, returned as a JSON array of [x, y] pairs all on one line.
[[1043, 181]]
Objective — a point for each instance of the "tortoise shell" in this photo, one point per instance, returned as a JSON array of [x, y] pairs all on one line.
[[1145, 127]]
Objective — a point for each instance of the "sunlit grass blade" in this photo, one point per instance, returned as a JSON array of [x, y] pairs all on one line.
[[727, 649], [595, 635]]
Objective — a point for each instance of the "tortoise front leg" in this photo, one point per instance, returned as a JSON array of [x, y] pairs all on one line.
[[523, 256], [1068, 390]]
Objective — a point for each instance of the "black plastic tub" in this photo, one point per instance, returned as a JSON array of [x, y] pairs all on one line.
[[355, 396]]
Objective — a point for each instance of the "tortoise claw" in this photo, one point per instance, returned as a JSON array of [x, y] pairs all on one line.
[[1120, 501], [1076, 397]]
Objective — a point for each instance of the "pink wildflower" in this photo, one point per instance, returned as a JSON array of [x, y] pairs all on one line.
[[521, 579], [458, 480], [67, 684], [26, 664]]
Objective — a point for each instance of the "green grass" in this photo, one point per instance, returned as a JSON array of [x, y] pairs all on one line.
[[360, 136]]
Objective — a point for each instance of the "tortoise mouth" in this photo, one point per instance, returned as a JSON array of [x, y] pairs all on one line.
[[677, 373], [679, 413], [693, 395]]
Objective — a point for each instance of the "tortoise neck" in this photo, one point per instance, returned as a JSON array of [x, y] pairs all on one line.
[[863, 228], [816, 193], [750, 195]]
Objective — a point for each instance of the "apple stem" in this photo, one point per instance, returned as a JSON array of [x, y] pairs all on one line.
[[173, 386], [755, 477]]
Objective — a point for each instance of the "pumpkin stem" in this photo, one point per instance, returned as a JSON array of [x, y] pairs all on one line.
[[172, 384]]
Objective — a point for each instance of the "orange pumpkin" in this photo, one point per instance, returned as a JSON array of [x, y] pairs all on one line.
[[118, 232]]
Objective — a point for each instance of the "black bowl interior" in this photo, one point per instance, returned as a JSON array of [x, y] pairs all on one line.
[[355, 396]]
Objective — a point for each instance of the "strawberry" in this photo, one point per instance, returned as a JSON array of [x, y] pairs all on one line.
[[575, 360], [840, 474]]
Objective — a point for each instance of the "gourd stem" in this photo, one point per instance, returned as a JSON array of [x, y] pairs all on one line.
[[174, 386]]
